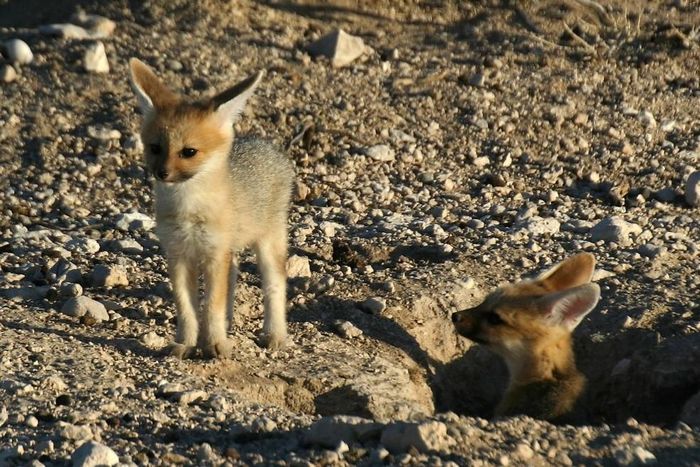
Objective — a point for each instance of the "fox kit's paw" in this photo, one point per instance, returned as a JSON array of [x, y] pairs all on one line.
[[181, 351], [273, 341], [220, 350]]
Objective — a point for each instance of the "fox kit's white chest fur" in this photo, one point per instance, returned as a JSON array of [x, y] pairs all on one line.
[[193, 218]]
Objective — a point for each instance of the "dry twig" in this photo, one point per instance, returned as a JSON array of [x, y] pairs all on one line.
[[598, 8], [578, 39]]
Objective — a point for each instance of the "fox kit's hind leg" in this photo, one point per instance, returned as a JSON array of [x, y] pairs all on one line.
[[183, 276], [271, 252], [212, 338], [232, 279]]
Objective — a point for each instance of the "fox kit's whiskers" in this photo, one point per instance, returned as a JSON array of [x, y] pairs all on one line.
[[529, 324], [214, 196]]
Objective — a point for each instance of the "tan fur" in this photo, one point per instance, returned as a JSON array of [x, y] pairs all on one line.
[[529, 324], [159, 94], [227, 196], [179, 126]]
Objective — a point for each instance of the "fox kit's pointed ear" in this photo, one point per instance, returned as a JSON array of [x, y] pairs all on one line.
[[571, 272], [569, 307], [230, 103], [150, 91]]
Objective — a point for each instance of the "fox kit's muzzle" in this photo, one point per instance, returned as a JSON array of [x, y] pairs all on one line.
[[466, 323]]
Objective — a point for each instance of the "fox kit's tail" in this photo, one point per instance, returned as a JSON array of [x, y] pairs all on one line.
[[529, 323]]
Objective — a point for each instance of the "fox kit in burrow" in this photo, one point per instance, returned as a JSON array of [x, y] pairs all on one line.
[[214, 196], [529, 324]]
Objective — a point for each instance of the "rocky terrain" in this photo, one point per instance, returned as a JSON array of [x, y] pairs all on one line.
[[448, 147]]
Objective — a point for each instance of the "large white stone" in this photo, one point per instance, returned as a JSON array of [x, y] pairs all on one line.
[[298, 266], [692, 189], [64, 31], [425, 437], [93, 454], [7, 73], [18, 51], [95, 58], [329, 432], [340, 47], [134, 221], [614, 229], [81, 306]]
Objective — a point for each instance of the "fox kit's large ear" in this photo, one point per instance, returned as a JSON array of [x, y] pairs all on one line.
[[230, 103], [572, 272], [150, 91], [569, 307]]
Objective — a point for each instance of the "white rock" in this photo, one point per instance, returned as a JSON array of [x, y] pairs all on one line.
[[65, 31], [7, 73], [219, 403], [83, 245], [329, 432], [93, 454], [347, 329], [74, 432], [482, 161], [329, 228], [647, 119], [381, 152], [425, 437], [55, 383], [153, 340], [188, 397], [103, 133], [81, 306], [3, 415], [668, 125], [298, 266], [539, 226], [373, 305], [95, 58], [523, 451], [634, 455], [109, 276], [205, 454], [128, 246], [263, 425], [644, 456], [134, 221], [692, 189], [18, 52], [341, 47], [614, 229], [99, 26], [166, 389]]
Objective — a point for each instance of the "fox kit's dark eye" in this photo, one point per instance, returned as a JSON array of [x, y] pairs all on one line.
[[493, 319], [155, 149], [186, 153]]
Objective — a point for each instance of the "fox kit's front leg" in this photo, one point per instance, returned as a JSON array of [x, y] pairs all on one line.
[[183, 276], [271, 252], [213, 340]]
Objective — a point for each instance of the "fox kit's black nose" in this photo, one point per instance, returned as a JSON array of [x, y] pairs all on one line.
[[161, 174], [456, 317]]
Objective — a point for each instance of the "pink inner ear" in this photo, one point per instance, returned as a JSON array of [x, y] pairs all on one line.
[[569, 307], [573, 309]]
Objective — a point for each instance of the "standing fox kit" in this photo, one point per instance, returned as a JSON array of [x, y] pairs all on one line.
[[529, 324], [214, 196]]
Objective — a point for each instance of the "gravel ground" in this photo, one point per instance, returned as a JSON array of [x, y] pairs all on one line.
[[467, 144]]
